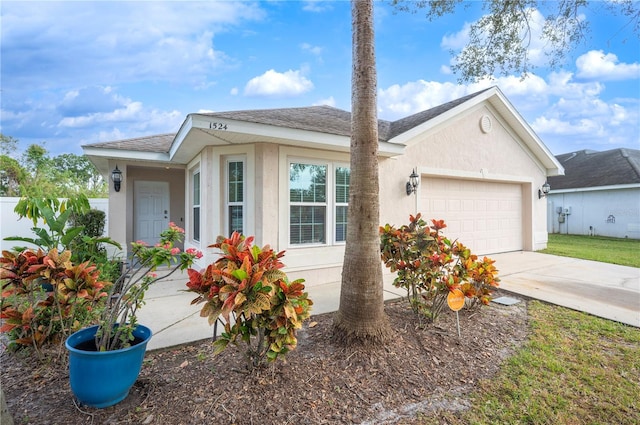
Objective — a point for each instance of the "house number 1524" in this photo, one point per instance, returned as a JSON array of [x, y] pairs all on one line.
[[217, 126]]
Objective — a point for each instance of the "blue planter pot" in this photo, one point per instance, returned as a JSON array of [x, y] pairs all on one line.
[[102, 379]]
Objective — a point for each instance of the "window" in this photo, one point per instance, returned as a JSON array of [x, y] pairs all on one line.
[[342, 201], [195, 217], [318, 199], [235, 196]]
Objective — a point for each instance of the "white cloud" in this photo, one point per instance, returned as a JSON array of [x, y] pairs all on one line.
[[597, 65], [316, 5], [315, 50], [398, 101], [134, 115], [278, 84], [591, 121], [458, 40], [132, 121], [109, 135], [330, 101], [116, 42], [446, 70], [128, 113], [122, 116], [559, 127], [89, 99]]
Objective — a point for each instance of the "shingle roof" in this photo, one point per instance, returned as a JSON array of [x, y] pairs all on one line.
[[587, 168], [158, 143], [323, 119]]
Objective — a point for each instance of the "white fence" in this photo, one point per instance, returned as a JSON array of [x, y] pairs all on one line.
[[12, 225]]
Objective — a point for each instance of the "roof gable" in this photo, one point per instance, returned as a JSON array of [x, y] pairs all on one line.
[[403, 125], [587, 168], [322, 127], [321, 119]]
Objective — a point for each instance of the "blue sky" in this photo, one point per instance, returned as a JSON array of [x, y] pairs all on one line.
[[80, 72]]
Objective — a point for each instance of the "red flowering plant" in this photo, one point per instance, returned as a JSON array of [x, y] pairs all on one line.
[[429, 266], [249, 293], [147, 265]]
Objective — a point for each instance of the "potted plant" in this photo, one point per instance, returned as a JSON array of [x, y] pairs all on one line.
[[105, 359]]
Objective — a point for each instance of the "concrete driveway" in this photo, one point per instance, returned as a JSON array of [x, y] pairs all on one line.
[[602, 289]]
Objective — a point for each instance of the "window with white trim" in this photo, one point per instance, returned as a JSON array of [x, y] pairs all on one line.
[[343, 175], [318, 200], [235, 195], [195, 206]]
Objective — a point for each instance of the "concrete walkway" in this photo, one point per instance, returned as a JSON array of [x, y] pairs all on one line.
[[169, 314], [601, 289]]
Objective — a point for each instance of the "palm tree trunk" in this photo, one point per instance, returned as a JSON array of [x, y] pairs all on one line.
[[360, 317]]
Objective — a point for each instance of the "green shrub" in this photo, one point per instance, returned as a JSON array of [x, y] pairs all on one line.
[[92, 222], [429, 266], [248, 292]]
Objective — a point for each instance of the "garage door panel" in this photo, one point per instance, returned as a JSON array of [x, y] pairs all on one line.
[[485, 216]]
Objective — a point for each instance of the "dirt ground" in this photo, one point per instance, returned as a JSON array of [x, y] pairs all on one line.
[[426, 370]]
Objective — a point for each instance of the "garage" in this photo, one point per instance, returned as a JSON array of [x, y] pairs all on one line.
[[485, 216]]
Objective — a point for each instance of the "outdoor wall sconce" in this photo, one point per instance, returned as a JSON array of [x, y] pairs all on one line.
[[412, 184], [544, 190], [116, 176]]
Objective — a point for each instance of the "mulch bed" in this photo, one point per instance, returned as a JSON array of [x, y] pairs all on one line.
[[425, 369]]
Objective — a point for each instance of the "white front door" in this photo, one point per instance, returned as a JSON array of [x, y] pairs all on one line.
[[151, 210]]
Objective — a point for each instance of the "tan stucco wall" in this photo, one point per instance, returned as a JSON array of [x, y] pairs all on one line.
[[462, 150], [267, 197]]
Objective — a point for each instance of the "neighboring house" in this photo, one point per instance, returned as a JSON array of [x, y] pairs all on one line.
[[283, 176], [598, 195]]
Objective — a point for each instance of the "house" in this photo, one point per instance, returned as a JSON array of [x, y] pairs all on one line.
[[283, 176], [598, 195]]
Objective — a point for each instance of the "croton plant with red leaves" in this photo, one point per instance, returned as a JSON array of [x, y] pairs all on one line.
[[429, 266], [249, 293], [45, 297]]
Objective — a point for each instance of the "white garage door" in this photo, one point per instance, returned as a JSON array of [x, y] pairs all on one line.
[[485, 216]]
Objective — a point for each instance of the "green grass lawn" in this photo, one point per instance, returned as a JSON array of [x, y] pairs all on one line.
[[575, 368], [625, 252]]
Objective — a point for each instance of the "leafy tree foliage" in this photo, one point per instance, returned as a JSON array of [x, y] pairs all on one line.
[[7, 144], [500, 41], [11, 174], [35, 173]]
